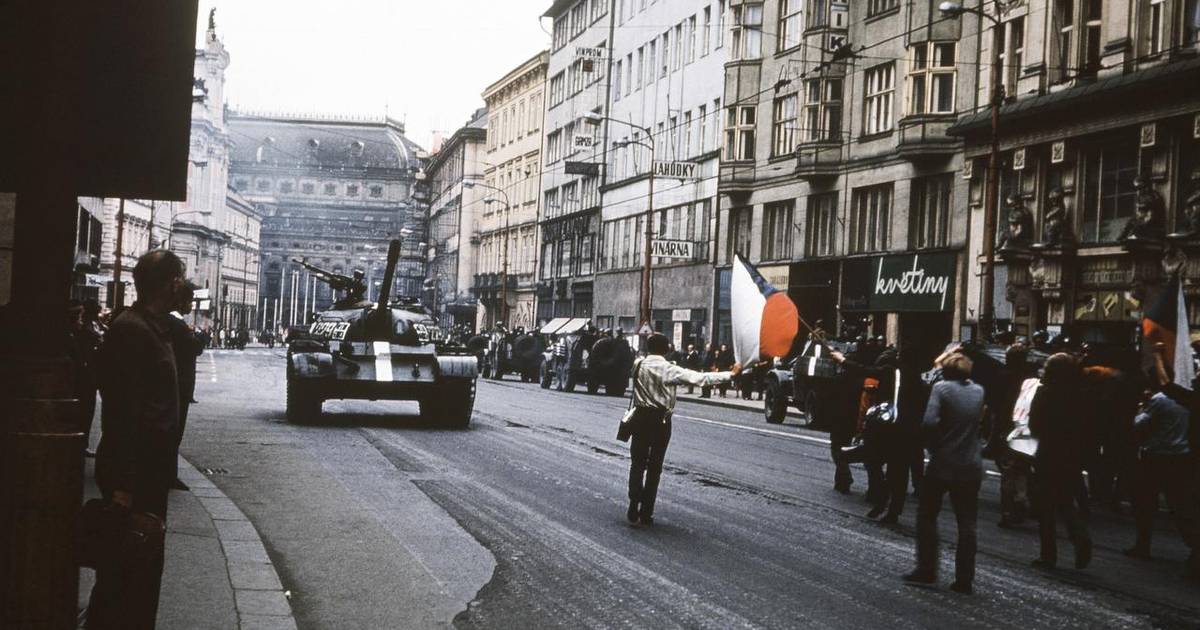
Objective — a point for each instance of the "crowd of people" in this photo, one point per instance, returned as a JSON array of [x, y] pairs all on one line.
[[1083, 433]]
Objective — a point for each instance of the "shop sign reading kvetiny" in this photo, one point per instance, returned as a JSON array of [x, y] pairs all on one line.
[[915, 282]]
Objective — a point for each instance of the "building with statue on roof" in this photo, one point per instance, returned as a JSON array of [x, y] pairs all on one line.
[[334, 190]]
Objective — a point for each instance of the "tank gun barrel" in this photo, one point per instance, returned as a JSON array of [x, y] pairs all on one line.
[[389, 274], [336, 281]]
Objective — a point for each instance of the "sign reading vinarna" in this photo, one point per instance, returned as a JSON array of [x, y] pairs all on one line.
[[913, 282], [670, 248]]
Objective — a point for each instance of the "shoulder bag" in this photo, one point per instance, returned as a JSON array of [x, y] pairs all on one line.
[[625, 429]]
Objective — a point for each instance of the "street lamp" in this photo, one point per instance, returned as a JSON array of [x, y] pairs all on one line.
[[644, 297], [504, 274], [987, 310]]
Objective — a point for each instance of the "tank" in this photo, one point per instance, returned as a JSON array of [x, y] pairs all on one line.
[[380, 350]]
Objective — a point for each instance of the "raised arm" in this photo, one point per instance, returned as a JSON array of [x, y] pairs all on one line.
[[676, 375]]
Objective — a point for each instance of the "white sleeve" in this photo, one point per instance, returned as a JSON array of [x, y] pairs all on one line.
[[676, 375]]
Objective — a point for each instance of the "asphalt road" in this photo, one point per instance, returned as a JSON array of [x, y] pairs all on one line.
[[379, 519]]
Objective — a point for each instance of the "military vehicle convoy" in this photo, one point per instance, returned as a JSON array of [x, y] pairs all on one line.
[[377, 351], [512, 352], [586, 356], [807, 382]]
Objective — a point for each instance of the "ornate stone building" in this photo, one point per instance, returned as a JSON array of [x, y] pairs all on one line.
[[1099, 174], [509, 236], [333, 192]]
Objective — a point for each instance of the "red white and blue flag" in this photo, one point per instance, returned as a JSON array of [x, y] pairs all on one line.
[[1166, 322], [765, 320]]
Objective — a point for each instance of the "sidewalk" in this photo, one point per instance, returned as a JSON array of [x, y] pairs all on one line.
[[732, 400], [217, 572]]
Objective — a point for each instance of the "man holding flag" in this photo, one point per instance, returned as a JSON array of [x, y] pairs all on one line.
[[1166, 463]]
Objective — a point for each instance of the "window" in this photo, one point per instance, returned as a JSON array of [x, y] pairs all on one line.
[[617, 81], [307, 188], [929, 217], [1011, 44], [330, 190], [376, 191], [822, 219], [691, 40], [1108, 193], [720, 24], [1077, 26], [788, 33], [706, 33], [557, 89], [351, 190], [931, 78], [585, 255], [665, 67], [818, 13], [263, 185], [823, 109], [241, 184], [687, 135], [747, 31], [870, 218], [1154, 26], [783, 125], [702, 135], [286, 187], [553, 146], [875, 7], [535, 108], [777, 230], [1091, 45], [739, 133], [641, 66], [739, 232], [877, 102], [1064, 31], [651, 68]]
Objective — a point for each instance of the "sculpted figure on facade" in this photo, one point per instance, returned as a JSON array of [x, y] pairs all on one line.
[[1020, 225], [1149, 216], [1189, 218], [1056, 229]]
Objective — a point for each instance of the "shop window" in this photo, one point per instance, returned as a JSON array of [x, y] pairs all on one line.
[[870, 218], [929, 216], [1108, 194], [820, 223], [777, 230]]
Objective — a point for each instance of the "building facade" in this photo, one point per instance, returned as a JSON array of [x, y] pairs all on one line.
[[838, 177], [333, 191], [1099, 161], [146, 226], [666, 89], [573, 152], [508, 228], [455, 218]]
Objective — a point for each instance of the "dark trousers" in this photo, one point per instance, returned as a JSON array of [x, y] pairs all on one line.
[[1056, 498], [125, 596], [906, 458], [840, 435], [964, 498], [1172, 476], [183, 414], [647, 448]]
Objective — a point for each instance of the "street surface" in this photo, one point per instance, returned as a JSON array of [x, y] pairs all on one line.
[[377, 519]]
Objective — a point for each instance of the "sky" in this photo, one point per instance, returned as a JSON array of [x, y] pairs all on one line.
[[425, 63]]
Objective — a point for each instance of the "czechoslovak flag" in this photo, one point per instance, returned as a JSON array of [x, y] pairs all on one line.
[[765, 320], [1166, 322]]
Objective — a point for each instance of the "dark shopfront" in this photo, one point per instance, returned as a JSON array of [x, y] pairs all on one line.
[[909, 299]]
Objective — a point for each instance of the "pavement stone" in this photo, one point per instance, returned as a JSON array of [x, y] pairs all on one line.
[[267, 622], [221, 508], [245, 551], [240, 531], [256, 576], [262, 603]]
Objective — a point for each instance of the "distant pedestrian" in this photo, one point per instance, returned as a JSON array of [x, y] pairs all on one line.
[[691, 361], [1055, 421], [951, 429], [135, 462], [654, 382], [187, 345], [725, 362], [1015, 468], [708, 363]]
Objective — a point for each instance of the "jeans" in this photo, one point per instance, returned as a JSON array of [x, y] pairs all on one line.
[[964, 497], [647, 449], [1056, 497], [1170, 475]]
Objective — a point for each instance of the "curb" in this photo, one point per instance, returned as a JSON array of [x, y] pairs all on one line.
[[262, 604]]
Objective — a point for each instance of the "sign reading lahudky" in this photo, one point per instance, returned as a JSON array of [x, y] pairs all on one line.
[[677, 170], [913, 282], [670, 248]]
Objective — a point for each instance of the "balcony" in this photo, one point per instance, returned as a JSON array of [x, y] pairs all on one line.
[[925, 136], [818, 160]]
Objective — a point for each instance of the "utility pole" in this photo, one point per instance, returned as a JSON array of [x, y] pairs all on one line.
[[118, 298]]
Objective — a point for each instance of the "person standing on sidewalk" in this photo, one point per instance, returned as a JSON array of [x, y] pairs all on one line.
[[188, 345], [1055, 421], [1164, 466], [1014, 468], [951, 427], [654, 382], [135, 462]]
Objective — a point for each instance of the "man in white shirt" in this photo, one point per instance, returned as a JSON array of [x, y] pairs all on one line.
[[654, 382]]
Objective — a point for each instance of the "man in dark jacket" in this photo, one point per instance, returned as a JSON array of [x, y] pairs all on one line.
[[188, 345], [135, 462]]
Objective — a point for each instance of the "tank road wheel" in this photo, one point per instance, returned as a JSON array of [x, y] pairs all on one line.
[[451, 404], [302, 406], [774, 402]]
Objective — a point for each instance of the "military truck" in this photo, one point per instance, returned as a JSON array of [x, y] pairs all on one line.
[[806, 381], [593, 358], [381, 350], [513, 352]]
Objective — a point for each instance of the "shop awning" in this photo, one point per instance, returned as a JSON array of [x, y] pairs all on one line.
[[553, 325], [573, 326]]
